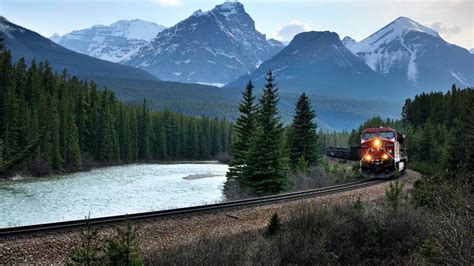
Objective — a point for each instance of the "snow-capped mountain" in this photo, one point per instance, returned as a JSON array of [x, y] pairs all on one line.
[[112, 43], [471, 50], [349, 42], [406, 50], [318, 63], [212, 47], [24, 43]]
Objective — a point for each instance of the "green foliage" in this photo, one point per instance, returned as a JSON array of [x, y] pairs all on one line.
[[394, 194], [303, 139], [313, 235], [274, 226], [58, 119], [90, 251], [244, 129], [124, 248], [301, 165], [264, 164], [429, 252]]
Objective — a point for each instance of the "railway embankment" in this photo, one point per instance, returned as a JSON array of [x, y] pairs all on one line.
[[161, 234]]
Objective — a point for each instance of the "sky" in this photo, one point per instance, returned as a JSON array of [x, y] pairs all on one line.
[[279, 19]]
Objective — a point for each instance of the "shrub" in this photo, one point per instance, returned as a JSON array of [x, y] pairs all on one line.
[[89, 251], [124, 249], [450, 210], [301, 165], [274, 226], [209, 250], [393, 195]]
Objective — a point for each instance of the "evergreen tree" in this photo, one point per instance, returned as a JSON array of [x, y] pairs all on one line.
[[89, 252], [244, 128], [144, 134], [461, 141], [60, 122], [124, 248], [264, 164], [303, 138]]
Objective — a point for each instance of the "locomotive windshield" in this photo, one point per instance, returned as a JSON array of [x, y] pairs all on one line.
[[369, 135], [387, 134]]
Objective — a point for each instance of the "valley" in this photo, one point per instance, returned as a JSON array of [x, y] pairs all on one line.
[[180, 132]]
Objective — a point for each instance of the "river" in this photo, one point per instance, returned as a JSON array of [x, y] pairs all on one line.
[[110, 191]]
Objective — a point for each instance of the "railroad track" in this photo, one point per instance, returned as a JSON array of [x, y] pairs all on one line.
[[103, 221]]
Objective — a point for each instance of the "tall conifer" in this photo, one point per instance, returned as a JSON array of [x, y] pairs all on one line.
[[264, 163], [244, 128], [303, 138]]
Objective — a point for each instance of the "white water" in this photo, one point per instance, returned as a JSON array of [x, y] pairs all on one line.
[[109, 191]]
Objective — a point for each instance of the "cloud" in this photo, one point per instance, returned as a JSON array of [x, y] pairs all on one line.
[[168, 2], [447, 29], [288, 31]]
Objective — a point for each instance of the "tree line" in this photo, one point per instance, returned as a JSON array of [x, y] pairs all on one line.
[[263, 150], [439, 128], [62, 123]]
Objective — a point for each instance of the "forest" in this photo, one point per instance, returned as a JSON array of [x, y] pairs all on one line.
[[439, 129], [430, 223], [51, 122]]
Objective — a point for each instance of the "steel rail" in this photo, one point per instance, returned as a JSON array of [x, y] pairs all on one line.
[[103, 221]]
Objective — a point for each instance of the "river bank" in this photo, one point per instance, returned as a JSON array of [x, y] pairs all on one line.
[[26, 175]]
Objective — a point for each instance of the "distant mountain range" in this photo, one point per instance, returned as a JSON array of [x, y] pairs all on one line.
[[112, 43], [407, 52], [348, 81], [319, 63], [212, 47], [222, 47], [398, 61], [30, 45]]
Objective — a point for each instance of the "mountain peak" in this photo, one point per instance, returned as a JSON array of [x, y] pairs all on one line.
[[395, 30], [113, 42], [223, 39], [407, 24], [349, 42], [310, 36], [229, 8]]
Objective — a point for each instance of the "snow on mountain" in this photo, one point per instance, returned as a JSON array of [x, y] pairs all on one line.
[[349, 42], [112, 43], [407, 50], [24, 43], [319, 63], [471, 50], [209, 47], [377, 49]]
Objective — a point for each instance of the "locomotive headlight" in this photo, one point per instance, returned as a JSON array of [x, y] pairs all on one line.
[[385, 156], [368, 158], [377, 143]]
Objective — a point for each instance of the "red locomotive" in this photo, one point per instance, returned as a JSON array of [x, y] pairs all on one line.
[[383, 152]]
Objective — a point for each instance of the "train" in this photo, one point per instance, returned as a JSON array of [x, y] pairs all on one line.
[[382, 152]]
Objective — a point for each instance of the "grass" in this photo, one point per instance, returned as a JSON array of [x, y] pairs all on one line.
[[349, 233]]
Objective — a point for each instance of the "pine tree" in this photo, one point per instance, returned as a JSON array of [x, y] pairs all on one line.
[[124, 248], [461, 141], [144, 133], [274, 226], [244, 128], [264, 163], [303, 138], [89, 252]]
